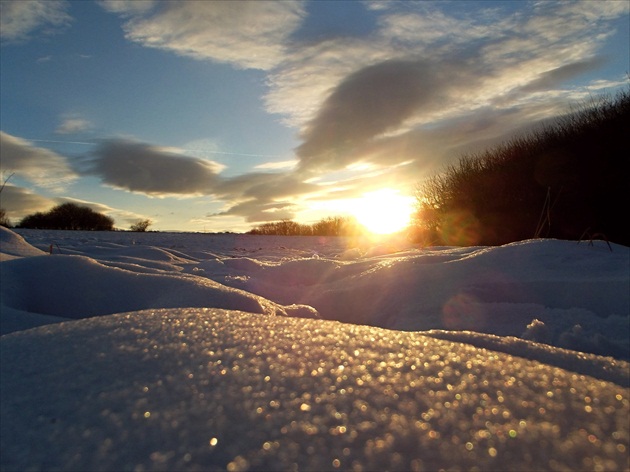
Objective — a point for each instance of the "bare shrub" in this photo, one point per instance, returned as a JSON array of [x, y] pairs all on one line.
[[141, 226]]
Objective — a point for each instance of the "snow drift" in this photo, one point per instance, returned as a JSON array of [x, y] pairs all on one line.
[[579, 294]]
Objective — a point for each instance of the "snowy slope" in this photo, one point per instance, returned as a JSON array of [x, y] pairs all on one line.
[[202, 389]]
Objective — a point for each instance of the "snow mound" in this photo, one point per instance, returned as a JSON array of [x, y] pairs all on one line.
[[78, 287], [201, 389], [13, 245]]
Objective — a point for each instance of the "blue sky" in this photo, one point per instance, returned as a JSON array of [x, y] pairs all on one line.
[[209, 115]]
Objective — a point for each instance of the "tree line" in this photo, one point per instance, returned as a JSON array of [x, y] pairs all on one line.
[[70, 216], [330, 226], [566, 180]]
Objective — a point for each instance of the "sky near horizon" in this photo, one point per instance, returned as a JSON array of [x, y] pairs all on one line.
[[213, 116]]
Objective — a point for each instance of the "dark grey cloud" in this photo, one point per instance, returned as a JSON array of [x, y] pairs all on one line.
[[367, 103], [263, 196], [152, 170], [270, 186], [242, 185], [254, 211], [556, 76], [143, 168]]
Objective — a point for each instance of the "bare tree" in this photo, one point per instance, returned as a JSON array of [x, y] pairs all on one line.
[[5, 181], [4, 220]]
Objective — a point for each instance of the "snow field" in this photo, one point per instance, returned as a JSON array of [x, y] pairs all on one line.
[[204, 352]]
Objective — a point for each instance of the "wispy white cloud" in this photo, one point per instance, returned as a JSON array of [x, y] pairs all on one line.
[[246, 34], [38, 165], [313, 70], [20, 18], [72, 124], [263, 196], [431, 26], [263, 186], [553, 78], [128, 7]]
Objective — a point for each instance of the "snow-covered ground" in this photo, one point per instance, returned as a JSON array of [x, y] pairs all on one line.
[[211, 354]]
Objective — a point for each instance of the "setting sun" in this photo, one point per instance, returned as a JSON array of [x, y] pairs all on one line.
[[383, 211]]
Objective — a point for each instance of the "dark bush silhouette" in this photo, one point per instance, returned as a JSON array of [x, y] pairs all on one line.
[[567, 179], [282, 228], [68, 216], [141, 226], [335, 226], [331, 226], [4, 219]]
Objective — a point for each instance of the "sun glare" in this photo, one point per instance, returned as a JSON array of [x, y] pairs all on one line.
[[383, 211]]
